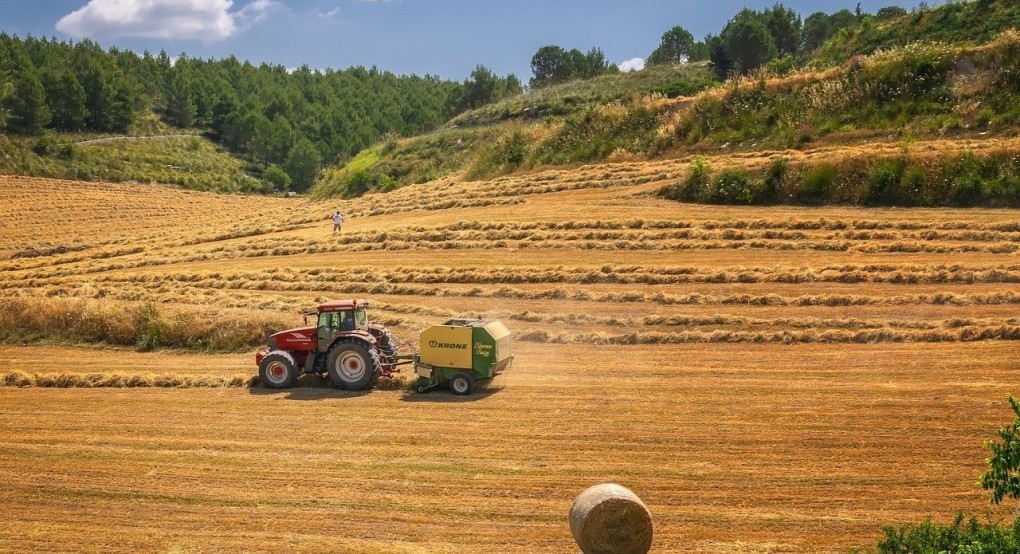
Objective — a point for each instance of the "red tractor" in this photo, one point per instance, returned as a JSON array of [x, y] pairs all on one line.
[[344, 345]]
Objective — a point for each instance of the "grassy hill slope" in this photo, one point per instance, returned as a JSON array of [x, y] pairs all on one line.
[[969, 22], [492, 140], [151, 153], [966, 88]]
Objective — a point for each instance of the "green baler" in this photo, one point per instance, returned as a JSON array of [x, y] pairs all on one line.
[[461, 353]]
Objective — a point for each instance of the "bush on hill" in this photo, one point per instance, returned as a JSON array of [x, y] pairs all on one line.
[[909, 179]]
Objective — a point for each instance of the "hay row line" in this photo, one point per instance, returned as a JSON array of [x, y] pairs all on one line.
[[699, 320], [318, 278], [446, 235], [121, 381], [431, 204], [21, 379], [727, 320], [232, 296], [467, 194], [296, 247], [870, 336], [679, 240], [266, 300], [821, 224]]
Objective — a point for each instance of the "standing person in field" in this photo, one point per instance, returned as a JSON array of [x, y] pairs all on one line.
[[338, 220]]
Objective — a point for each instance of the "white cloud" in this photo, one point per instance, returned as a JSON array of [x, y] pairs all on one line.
[[633, 64], [327, 14], [204, 20], [255, 12]]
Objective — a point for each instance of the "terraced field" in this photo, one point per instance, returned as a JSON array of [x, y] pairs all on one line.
[[773, 379]]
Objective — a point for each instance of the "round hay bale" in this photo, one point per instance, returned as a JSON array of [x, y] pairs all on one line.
[[609, 519]]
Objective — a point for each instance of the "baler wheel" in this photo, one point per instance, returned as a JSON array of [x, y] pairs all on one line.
[[277, 370], [462, 384]]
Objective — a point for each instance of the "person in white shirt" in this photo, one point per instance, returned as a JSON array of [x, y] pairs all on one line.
[[338, 220]]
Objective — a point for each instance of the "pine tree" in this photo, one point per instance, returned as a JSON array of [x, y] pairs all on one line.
[[27, 102], [180, 104], [66, 100], [303, 165]]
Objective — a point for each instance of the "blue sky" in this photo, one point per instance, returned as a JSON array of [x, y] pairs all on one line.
[[441, 37]]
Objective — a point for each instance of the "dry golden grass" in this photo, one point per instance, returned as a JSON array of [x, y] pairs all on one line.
[[874, 351]]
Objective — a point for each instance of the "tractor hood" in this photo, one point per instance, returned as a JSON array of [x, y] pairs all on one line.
[[299, 339]]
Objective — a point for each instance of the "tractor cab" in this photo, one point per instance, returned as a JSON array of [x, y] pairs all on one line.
[[340, 317]]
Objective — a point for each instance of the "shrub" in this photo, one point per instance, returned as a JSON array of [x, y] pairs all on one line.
[[732, 186], [817, 183], [277, 176], [514, 149], [775, 178], [912, 186], [967, 189], [783, 65], [971, 537], [695, 185], [387, 183], [43, 145], [884, 182], [356, 183], [68, 152]]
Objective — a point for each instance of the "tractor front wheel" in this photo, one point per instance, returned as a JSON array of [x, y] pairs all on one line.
[[278, 371], [353, 366], [462, 384]]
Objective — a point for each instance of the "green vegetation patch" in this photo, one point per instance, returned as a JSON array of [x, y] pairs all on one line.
[[908, 179], [576, 96], [192, 162], [960, 23], [398, 162]]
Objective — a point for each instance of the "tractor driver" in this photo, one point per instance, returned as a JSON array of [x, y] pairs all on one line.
[[346, 321], [340, 321]]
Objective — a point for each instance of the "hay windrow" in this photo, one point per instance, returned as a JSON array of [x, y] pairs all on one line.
[[21, 379], [122, 381]]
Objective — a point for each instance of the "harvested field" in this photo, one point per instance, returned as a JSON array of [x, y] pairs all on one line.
[[775, 379]]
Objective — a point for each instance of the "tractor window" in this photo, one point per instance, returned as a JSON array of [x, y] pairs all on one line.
[[346, 321], [328, 321], [361, 318], [331, 322]]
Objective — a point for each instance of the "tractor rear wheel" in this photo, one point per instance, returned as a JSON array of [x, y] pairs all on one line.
[[462, 384], [278, 371], [353, 366]]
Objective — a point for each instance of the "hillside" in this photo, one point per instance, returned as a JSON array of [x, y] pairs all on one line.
[[965, 89], [970, 22], [493, 139], [167, 156], [685, 352]]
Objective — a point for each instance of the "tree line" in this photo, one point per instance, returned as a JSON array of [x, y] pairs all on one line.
[[749, 40], [553, 65], [276, 118], [754, 38]]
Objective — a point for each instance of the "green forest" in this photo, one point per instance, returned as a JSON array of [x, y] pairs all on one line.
[[275, 118]]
